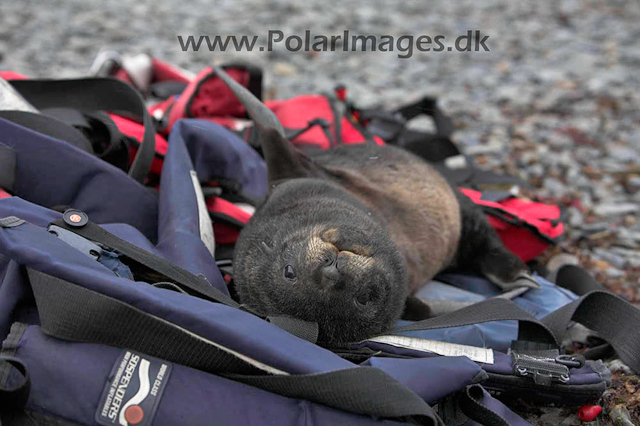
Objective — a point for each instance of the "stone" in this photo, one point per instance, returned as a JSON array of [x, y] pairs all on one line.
[[616, 209], [611, 257], [614, 273]]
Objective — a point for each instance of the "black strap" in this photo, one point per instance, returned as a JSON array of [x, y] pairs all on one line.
[[362, 390], [8, 164], [195, 285], [165, 89], [71, 312], [577, 279], [15, 397], [428, 106], [116, 151], [469, 401], [95, 94], [494, 309], [613, 318], [303, 329], [49, 126]]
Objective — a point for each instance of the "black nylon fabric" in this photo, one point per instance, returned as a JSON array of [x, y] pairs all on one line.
[[469, 403], [8, 160], [494, 309], [49, 126], [577, 279], [613, 318], [347, 390], [95, 94], [71, 312]]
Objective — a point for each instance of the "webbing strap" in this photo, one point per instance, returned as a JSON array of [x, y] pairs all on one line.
[[362, 390], [470, 403], [96, 94], [613, 318], [49, 126], [71, 312], [494, 309], [577, 279], [193, 284], [8, 161]]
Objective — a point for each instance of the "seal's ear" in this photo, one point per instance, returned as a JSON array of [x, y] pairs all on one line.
[[284, 161]]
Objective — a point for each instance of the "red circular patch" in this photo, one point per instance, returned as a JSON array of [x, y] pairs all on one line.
[[133, 414], [75, 218]]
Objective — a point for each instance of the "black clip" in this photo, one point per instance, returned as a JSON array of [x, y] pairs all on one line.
[[544, 371]]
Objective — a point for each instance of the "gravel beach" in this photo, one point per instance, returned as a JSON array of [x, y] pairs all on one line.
[[556, 99]]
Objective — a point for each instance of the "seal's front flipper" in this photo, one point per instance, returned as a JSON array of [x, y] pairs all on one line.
[[523, 280], [416, 309]]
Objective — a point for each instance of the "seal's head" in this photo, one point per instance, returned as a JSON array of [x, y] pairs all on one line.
[[350, 279]]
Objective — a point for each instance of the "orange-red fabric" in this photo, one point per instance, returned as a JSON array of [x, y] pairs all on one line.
[[517, 238]]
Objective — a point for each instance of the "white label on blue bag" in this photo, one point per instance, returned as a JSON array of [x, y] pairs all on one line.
[[133, 391], [483, 355], [206, 227]]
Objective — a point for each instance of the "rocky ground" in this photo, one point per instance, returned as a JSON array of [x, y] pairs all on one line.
[[556, 100]]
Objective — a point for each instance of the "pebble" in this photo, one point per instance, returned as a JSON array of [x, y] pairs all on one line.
[[616, 209], [614, 273], [611, 257]]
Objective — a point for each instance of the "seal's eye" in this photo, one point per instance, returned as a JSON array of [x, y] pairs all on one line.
[[289, 273]]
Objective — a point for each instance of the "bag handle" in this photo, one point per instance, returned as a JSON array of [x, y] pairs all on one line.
[[613, 318], [428, 106], [49, 126], [71, 312], [96, 94], [7, 168], [195, 285]]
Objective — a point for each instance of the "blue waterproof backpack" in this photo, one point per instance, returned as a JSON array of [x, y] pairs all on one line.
[[113, 310]]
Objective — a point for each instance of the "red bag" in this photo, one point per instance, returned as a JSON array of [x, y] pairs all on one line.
[[525, 227]]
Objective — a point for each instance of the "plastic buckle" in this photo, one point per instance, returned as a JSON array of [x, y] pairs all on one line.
[[87, 247], [543, 370]]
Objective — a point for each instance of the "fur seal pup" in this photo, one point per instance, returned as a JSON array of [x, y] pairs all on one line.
[[347, 235]]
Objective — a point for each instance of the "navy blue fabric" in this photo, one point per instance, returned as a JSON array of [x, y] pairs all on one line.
[[191, 397], [499, 408], [498, 334], [219, 153], [179, 226], [420, 374], [51, 172]]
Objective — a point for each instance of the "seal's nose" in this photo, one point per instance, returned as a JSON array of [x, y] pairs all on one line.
[[331, 272]]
